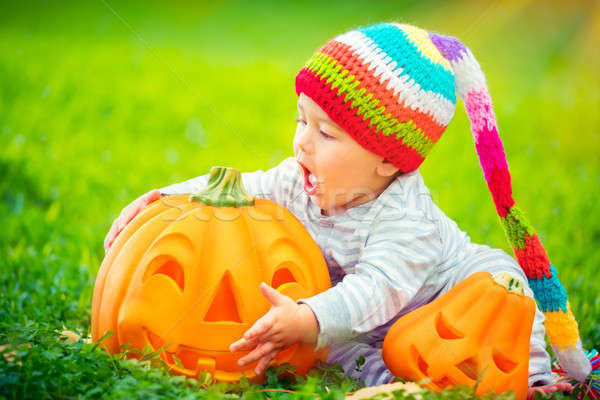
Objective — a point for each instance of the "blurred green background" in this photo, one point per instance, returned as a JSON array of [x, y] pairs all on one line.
[[104, 100]]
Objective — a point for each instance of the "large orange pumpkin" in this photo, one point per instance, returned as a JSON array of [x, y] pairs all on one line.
[[186, 272], [480, 329]]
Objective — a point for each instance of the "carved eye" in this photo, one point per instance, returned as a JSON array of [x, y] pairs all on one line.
[[421, 363], [168, 266], [503, 363], [445, 330], [445, 381], [424, 367], [282, 275], [469, 367]]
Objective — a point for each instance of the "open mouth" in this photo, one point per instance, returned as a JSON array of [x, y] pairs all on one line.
[[222, 365], [310, 180], [189, 361]]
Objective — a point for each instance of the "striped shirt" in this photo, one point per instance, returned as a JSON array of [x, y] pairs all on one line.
[[385, 257]]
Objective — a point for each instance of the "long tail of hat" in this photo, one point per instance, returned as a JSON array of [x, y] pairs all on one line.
[[549, 292]]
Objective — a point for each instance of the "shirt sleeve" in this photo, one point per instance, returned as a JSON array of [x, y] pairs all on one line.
[[275, 184], [399, 254]]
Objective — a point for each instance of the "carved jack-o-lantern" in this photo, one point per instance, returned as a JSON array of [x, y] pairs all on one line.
[[185, 273], [480, 329]]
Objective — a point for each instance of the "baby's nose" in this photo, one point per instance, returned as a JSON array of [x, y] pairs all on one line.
[[304, 143]]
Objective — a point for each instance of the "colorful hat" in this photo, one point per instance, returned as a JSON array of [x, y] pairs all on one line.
[[393, 88]]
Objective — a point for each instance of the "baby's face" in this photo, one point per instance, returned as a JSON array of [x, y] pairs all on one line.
[[338, 172]]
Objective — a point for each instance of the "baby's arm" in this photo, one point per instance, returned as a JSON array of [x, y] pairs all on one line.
[[401, 252], [560, 386], [127, 215], [395, 261], [285, 324]]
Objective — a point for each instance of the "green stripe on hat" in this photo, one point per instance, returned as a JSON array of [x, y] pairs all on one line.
[[516, 226], [367, 107]]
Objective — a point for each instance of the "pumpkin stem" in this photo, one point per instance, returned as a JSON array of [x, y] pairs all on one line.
[[511, 284], [224, 189]]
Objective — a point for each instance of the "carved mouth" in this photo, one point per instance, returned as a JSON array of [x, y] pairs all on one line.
[[222, 365]]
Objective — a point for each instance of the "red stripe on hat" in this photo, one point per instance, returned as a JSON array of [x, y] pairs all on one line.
[[344, 54], [499, 184], [533, 258], [393, 149]]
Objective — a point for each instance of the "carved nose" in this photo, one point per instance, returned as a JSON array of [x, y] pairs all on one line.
[[223, 306]]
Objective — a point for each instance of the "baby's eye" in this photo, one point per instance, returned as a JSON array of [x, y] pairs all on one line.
[[326, 136], [299, 121]]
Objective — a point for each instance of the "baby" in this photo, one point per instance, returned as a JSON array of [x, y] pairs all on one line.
[[372, 102]]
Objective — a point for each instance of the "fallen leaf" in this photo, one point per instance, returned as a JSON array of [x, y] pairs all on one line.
[[68, 336], [9, 356], [388, 388]]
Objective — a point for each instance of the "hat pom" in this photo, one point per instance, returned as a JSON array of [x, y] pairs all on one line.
[[590, 385]]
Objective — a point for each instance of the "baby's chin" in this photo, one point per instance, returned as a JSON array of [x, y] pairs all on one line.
[[318, 200], [327, 208]]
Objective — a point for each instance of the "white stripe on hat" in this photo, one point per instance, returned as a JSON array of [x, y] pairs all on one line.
[[410, 93]]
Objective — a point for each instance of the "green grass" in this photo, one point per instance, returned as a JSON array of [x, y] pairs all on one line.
[[103, 101]]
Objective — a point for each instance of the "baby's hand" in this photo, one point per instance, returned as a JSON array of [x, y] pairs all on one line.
[[562, 386], [285, 324], [127, 215]]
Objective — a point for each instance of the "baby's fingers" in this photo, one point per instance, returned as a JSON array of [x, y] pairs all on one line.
[[108, 239], [127, 214], [111, 235], [152, 196], [118, 225], [561, 386], [134, 208], [260, 351], [260, 327], [264, 362], [130, 212], [564, 386], [243, 345]]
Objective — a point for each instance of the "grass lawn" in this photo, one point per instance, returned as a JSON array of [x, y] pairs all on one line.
[[103, 101]]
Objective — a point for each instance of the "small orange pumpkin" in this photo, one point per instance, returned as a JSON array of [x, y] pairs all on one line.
[[480, 329], [186, 271]]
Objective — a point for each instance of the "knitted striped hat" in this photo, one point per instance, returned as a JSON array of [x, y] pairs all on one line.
[[392, 88]]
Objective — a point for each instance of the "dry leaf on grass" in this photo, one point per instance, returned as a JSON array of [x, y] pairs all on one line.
[[68, 336], [385, 390], [9, 356], [71, 337]]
